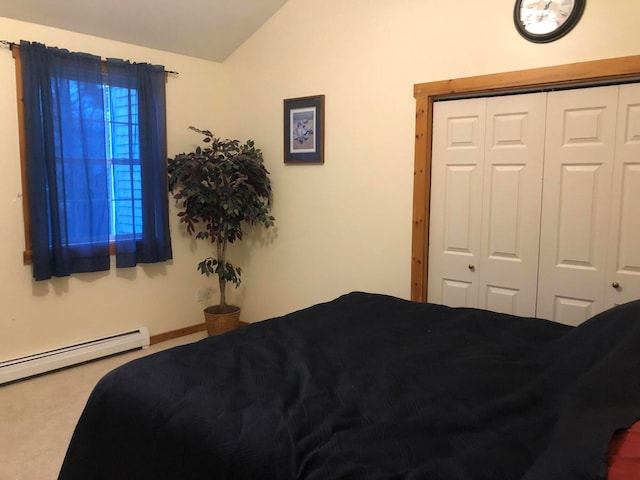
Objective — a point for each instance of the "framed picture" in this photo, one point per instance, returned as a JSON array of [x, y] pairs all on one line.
[[304, 130]]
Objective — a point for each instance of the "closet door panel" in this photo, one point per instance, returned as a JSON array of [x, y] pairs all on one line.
[[623, 263], [458, 294], [572, 311], [578, 166], [512, 195], [456, 206]]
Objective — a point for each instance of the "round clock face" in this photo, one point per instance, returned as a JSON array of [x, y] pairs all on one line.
[[546, 20]]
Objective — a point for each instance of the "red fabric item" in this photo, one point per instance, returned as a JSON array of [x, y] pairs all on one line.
[[624, 454]]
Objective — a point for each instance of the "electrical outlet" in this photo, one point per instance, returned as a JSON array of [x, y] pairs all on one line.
[[203, 294]]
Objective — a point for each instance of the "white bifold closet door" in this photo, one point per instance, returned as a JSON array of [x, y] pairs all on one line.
[[579, 152], [622, 283], [456, 202], [535, 202], [590, 231], [485, 202]]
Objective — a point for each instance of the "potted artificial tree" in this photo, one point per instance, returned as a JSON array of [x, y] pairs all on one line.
[[221, 189]]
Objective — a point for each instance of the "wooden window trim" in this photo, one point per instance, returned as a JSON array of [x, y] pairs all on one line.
[[27, 255], [583, 74]]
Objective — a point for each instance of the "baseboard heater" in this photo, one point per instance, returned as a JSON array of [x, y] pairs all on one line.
[[44, 362]]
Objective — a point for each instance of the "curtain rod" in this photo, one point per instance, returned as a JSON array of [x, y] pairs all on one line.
[[11, 44]]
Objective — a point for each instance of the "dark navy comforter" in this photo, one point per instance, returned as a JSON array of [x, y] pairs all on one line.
[[370, 387]]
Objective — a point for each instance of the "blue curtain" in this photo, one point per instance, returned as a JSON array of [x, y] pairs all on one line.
[[150, 241], [67, 174], [71, 169]]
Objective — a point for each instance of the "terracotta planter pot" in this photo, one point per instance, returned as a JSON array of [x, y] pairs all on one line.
[[221, 320]]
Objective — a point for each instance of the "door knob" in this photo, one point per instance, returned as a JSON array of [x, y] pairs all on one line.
[[472, 267], [615, 285]]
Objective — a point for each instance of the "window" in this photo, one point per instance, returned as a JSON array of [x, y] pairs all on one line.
[[123, 160], [94, 161], [122, 148]]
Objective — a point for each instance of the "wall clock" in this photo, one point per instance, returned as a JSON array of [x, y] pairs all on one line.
[[544, 21]]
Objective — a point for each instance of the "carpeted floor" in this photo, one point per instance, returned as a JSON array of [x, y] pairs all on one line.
[[37, 416]]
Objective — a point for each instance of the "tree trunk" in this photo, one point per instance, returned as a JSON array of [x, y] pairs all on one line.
[[222, 282], [222, 250]]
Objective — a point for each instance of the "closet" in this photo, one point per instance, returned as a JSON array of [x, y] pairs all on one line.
[[535, 201]]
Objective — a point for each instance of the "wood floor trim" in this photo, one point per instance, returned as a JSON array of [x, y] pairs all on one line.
[[181, 332]]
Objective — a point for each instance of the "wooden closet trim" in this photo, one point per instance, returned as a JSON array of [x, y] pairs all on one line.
[[583, 74]]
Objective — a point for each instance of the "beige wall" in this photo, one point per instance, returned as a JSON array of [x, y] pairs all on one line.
[[347, 225], [41, 315], [340, 227]]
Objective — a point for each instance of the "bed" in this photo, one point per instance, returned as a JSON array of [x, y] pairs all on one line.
[[369, 386]]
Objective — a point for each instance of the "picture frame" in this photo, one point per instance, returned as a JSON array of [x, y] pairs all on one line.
[[304, 130]]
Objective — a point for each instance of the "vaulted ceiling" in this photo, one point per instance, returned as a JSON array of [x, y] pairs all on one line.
[[208, 29]]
